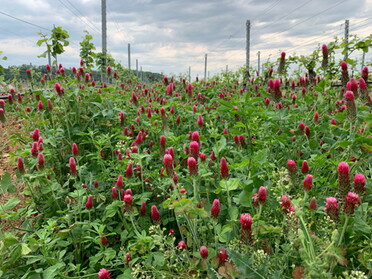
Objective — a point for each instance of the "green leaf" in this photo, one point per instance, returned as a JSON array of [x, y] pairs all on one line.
[[112, 208], [15, 254], [52, 271], [245, 198], [314, 144], [344, 143], [182, 205], [158, 259], [6, 184], [126, 275], [10, 240], [11, 203], [361, 226], [233, 212], [244, 264], [225, 233], [25, 249], [261, 156], [220, 145], [198, 212], [231, 184]]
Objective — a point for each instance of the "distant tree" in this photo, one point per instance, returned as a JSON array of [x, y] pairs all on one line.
[[87, 50], [55, 43]]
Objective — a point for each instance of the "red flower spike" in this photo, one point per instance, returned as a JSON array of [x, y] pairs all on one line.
[[58, 88], [128, 258], [331, 207], [143, 208], [34, 149], [181, 245], [195, 136], [20, 165], [128, 200], [40, 161], [36, 134], [343, 179], [114, 193], [183, 191], [305, 167], [200, 121], [286, 204], [333, 121], [351, 200], [222, 256], [178, 119], [215, 209], [203, 252], [316, 117], [168, 164], [246, 221], [109, 70], [40, 105], [120, 182], [129, 170], [103, 274], [308, 182], [255, 200], [72, 164], [192, 165], [75, 150], [155, 214], [246, 228], [359, 184], [162, 141], [312, 204], [104, 240], [213, 156], [224, 170], [344, 66], [89, 203], [194, 149], [50, 105], [262, 195], [291, 166]]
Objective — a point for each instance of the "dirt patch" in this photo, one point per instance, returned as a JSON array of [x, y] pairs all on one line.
[[8, 165]]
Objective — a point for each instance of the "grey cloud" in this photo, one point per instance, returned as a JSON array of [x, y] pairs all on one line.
[[168, 35]]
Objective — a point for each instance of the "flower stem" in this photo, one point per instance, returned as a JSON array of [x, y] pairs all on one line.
[[343, 230], [215, 234], [228, 194], [133, 224], [196, 188]]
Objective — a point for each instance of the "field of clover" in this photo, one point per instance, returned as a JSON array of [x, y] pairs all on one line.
[[239, 176]]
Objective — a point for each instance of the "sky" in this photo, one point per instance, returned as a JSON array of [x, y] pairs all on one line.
[[171, 36]]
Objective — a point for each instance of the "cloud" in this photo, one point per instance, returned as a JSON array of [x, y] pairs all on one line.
[[169, 36]]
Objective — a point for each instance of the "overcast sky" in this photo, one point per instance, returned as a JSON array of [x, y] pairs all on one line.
[[169, 36]]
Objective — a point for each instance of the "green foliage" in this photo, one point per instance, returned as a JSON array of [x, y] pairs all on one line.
[[55, 43], [2, 58], [87, 50]]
